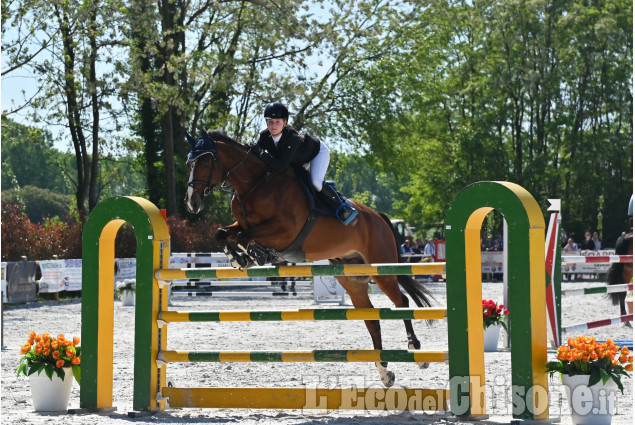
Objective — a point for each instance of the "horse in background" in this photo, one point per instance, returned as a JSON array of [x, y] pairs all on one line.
[[621, 273]]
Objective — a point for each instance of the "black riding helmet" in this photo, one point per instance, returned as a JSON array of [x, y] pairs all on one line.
[[276, 110]]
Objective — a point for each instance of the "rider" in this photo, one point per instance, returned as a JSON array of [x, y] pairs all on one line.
[[280, 146]]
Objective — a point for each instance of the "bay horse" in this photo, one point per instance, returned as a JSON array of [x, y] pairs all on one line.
[[271, 210], [621, 273]]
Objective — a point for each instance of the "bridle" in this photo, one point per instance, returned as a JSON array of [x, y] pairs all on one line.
[[208, 184], [224, 184]]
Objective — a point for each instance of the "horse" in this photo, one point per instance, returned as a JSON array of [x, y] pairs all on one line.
[[621, 273], [271, 210]]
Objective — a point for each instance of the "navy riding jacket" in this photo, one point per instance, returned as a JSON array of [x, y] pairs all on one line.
[[292, 149]]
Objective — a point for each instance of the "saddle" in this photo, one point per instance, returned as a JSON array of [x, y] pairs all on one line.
[[317, 207]]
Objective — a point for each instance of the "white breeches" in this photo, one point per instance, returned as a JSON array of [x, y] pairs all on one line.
[[318, 166]]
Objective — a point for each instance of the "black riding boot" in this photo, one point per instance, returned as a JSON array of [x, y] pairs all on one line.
[[346, 213]]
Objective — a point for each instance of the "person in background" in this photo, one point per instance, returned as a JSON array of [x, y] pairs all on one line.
[[406, 248], [429, 249], [588, 243], [418, 248], [570, 246], [597, 241], [497, 244]]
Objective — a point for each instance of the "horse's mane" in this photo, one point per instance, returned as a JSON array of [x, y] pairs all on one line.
[[221, 136]]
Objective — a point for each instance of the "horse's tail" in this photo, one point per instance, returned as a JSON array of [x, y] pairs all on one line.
[[623, 246], [417, 291]]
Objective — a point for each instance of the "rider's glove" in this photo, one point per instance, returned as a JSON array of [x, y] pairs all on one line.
[[256, 149]]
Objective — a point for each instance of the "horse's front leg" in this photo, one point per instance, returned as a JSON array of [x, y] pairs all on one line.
[[227, 236], [256, 241]]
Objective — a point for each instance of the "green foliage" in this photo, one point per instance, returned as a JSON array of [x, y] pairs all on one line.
[[538, 95], [430, 96], [29, 159], [39, 204]]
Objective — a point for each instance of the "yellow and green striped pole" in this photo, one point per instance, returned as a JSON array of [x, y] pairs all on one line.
[[304, 315], [308, 356], [304, 271]]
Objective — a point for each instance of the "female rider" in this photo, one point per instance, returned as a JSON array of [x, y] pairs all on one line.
[[280, 146]]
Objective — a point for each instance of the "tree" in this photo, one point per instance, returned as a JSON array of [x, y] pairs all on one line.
[[79, 37], [28, 158], [538, 94]]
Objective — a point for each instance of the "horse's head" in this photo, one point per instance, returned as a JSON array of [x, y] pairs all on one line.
[[204, 174]]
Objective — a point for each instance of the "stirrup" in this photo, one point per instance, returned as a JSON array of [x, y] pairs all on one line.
[[344, 208]]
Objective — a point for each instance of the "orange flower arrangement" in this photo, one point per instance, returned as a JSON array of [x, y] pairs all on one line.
[[601, 360], [51, 355]]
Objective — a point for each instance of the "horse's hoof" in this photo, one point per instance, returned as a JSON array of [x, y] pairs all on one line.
[[388, 379]]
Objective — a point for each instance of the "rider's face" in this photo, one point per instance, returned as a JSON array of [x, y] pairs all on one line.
[[275, 126]]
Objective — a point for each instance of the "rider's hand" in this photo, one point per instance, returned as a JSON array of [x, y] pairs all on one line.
[[256, 149]]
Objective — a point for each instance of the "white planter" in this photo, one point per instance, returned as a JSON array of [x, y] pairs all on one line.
[[51, 396], [127, 297], [590, 405], [490, 337]]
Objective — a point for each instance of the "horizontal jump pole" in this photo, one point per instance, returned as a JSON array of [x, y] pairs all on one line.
[[238, 293], [309, 356], [304, 271], [309, 398], [221, 283], [304, 314], [274, 284], [609, 289], [598, 323], [580, 259]]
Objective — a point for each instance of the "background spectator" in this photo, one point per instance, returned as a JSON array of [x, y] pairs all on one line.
[[588, 243], [597, 241]]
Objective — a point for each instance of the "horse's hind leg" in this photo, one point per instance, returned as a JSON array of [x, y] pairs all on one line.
[[390, 286], [357, 289]]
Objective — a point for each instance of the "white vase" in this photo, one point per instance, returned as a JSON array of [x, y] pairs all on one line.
[[490, 337], [590, 405], [127, 297], [51, 395]]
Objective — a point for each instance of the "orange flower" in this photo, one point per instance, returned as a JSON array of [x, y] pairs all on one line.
[[38, 338], [55, 345], [629, 367], [32, 335], [623, 358], [25, 348], [46, 336], [59, 364], [75, 341], [38, 349], [70, 353], [75, 360], [630, 358], [625, 350], [46, 351], [30, 341], [56, 355], [609, 342], [61, 337]]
